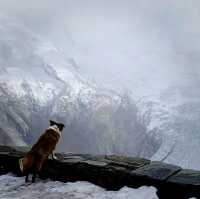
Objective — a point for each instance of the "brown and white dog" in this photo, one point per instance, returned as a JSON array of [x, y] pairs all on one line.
[[34, 159]]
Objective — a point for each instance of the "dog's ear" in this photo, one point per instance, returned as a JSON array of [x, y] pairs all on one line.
[[52, 122], [61, 126]]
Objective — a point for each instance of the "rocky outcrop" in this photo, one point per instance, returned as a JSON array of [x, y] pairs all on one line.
[[112, 172]]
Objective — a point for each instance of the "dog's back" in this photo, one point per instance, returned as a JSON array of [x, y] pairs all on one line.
[[47, 142], [40, 150]]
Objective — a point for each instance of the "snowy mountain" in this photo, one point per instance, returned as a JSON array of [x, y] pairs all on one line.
[[174, 115], [177, 113], [38, 82]]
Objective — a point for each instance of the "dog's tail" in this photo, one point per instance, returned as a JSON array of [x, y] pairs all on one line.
[[26, 162]]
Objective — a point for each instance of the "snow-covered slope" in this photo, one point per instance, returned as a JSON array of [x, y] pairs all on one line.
[[174, 112], [39, 82], [14, 187], [179, 123]]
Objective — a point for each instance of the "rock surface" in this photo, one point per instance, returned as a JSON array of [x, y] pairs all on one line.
[[111, 172], [155, 173]]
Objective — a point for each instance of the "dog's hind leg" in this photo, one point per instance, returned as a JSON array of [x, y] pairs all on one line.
[[36, 169], [34, 177], [34, 172], [26, 179]]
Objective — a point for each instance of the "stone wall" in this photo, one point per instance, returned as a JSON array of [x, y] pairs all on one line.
[[112, 172]]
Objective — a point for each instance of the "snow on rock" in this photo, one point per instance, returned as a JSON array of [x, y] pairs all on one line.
[[14, 187]]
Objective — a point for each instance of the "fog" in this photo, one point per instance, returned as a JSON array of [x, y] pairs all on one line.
[[150, 48], [121, 44]]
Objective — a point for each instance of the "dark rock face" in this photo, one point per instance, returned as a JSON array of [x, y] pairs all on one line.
[[111, 172], [186, 176], [188, 181], [155, 173]]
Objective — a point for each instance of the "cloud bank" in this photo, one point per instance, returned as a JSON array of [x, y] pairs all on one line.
[[136, 44]]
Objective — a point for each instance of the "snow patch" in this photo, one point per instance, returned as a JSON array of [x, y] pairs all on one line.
[[15, 188]]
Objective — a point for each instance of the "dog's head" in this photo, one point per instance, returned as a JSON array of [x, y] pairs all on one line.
[[60, 126]]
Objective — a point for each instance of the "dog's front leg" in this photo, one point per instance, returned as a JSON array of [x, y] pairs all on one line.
[[53, 156], [26, 179]]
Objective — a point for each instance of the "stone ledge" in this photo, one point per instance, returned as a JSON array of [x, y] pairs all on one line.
[[111, 172]]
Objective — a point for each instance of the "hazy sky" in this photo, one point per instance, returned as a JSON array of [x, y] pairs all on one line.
[[137, 44]]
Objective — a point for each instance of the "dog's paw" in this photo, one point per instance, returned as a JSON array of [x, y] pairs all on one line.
[[54, 157]]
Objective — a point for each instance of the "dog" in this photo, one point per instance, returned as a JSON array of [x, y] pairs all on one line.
[[33, 161]]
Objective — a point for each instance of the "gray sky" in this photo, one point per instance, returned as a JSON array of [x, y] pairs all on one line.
[[137, 44]]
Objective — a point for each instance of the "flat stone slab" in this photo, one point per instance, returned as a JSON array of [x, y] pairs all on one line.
[[5, 149], [72, 161], [73, 157], [156, 171], [17, 151], [95, 163], [126, 159], [127, 162], [186, 177], [84, 156]]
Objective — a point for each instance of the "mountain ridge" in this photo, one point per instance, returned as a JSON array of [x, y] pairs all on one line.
[[38, 83]]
